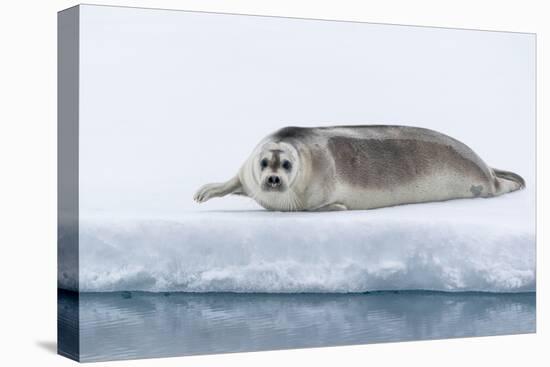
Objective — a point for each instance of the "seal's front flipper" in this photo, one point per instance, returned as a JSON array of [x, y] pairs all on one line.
[[207, 192], [213, 190], [331, 208]]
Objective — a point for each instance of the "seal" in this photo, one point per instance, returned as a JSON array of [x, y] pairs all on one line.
[[361, 167]]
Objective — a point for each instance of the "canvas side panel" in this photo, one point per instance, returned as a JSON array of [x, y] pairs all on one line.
[[68, 343]]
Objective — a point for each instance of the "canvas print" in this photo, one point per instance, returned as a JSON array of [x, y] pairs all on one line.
[[233, 183]]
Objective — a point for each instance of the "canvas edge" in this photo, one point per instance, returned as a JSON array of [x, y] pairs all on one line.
[[68, 323]]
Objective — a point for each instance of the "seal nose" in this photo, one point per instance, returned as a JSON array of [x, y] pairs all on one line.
[[274, 181]]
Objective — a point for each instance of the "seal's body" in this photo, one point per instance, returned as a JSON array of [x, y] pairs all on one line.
[[361, 167]]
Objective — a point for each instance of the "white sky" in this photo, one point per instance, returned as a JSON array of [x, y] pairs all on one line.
[[171, 100]]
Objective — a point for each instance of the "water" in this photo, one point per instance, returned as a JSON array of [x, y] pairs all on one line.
[[125, 325]]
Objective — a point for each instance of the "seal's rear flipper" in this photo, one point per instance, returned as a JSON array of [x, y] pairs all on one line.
[[507, 181]]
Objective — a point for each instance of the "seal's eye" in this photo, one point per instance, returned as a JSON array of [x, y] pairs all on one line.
[[264, 163], [287, 165]]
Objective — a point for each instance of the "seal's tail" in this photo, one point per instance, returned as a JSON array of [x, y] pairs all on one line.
[[508, 181]]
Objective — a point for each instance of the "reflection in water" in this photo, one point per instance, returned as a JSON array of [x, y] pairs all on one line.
[[126, 325]]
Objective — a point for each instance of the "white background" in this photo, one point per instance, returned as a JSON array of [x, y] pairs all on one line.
[[172, 100], [28, 184]]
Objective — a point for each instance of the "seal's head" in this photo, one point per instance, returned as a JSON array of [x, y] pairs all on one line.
[[276, 167]]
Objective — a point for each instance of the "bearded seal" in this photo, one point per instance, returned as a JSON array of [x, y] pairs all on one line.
[[361, 167]]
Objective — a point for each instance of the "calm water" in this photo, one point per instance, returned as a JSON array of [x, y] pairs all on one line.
[[124, 325]]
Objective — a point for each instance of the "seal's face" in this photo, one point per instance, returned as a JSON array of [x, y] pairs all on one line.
[[276, 167]]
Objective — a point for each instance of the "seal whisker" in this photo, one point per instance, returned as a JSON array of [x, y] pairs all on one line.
[[300, 203], [294, 200], [291, 203]]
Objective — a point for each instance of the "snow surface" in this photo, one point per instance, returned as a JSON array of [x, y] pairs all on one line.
[[460, 245], [157, 121]]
